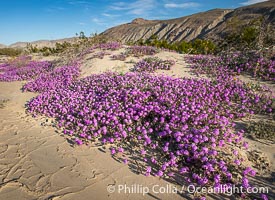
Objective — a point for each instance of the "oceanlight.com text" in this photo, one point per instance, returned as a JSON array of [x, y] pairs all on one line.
[[192, 189]]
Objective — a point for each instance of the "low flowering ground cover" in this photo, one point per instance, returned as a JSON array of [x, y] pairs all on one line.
[[41, 75], [3, 67], [152, 64], [103, 46], [178, 127], [121, 56], [20, 61], [139, 51], [110, 46], [27, 71], [234, 63], [58, 77]]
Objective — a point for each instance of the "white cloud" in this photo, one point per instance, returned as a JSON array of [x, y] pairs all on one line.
[[119, 6], [182, 5], [138, 7], [98, 21], [109, 15], [249, 2], [106, 14]]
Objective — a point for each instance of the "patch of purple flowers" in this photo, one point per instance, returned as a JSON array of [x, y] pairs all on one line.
[[58, 77], [104, 46], [110, 46], [180, 126], [234, 63], [152, 64], [139, 51], [26, 71]]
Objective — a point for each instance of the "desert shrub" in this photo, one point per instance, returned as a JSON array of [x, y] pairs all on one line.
[[197, 46], [46, 51], [263, 129], [249, 35], [10, 51]]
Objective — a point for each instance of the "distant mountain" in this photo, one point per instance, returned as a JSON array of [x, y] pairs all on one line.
[[212, 24], [41, 43], [2, 46]]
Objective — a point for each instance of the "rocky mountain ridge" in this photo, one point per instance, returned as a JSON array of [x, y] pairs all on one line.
[[212, 24]]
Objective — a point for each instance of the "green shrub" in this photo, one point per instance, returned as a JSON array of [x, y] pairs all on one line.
[[10, 51], [197, 46], [249, 35]]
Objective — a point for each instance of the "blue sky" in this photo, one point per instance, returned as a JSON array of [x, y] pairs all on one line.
[[30, 20]]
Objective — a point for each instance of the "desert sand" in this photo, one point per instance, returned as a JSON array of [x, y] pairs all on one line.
[[38, 162]]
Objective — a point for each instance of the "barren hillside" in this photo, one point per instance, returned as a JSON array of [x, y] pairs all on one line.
[[212, 24]]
